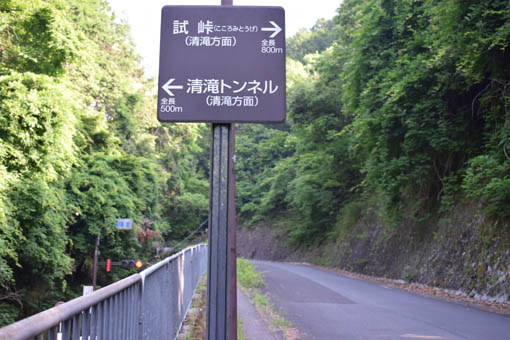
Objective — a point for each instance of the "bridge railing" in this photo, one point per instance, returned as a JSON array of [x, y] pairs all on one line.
[[150, 305]]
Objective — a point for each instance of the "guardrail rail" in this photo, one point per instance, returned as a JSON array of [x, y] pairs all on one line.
[[150, 305]]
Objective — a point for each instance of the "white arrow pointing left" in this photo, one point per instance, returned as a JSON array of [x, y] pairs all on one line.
[[167, 87], [275, 29]]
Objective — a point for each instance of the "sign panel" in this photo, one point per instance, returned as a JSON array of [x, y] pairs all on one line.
[[124, 223], [87, 290], [222, 64]]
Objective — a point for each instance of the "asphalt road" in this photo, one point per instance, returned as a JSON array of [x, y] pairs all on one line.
[[330, 306]]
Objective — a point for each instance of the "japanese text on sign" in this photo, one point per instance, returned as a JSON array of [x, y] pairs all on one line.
[[208, 27], [207, 41], [216, 86], [222, 64]]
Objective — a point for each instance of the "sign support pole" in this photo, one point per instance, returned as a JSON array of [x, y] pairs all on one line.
[[222, 277], [96, 253], [221, 283], [232, 312]]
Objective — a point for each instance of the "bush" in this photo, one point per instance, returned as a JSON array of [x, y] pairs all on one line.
[[488, 180], [247, 276], [8, 314]]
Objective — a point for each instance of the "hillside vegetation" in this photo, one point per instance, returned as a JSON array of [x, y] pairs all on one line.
[[80, 147], [397, 139], [395, 158]]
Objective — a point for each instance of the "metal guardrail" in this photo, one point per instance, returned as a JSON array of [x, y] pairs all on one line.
[[150, 305]]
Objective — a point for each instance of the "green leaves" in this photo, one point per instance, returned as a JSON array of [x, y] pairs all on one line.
[[258, 151], [36, 125], [408, 87], [103, 188], [407, 93], [488, 180], [38, 39], [315, 40], [80, 147], [40, 215]]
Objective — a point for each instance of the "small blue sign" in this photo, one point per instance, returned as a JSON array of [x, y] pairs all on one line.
[[124, 223]]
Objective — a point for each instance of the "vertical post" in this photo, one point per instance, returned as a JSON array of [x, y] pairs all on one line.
[[222, 279], [221, 284], [96, 253], [232, 312]]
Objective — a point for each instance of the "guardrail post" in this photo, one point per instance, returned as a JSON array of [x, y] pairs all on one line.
[[139, 310]]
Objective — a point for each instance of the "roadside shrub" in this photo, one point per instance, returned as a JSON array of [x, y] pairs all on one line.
[[247, 276], [488, 180], [8, 314]]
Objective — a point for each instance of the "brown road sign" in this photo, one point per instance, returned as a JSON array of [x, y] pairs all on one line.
[[222, 64]]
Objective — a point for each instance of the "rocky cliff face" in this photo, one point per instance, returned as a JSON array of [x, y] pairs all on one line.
[[463, 251]]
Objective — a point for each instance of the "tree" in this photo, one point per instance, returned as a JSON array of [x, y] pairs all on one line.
[[80, 147]]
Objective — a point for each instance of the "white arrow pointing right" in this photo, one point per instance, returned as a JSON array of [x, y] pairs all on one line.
[[275, 29], [167, 87]]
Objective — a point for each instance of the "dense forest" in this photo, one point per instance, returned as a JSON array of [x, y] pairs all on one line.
[[395, 158], [399, 105], [401, 108], [80, 147]]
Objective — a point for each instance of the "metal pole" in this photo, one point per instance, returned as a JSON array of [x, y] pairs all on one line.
[[232, 313], [96, 253], [222, 279], [221, 298]]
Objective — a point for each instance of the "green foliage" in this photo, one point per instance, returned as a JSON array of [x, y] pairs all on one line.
[[488, 180], [350, 215], [8, 313], [39, 210], [317, 39], [187, 159], [308, 170], [247, 276], [324, 176], [79, 148], [103, 188], [37, 38], [258, 149], [410, 93], [240, 328], [406, 101], [36, 125]]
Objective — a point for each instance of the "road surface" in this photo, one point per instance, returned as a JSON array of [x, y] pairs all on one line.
[[329, 306]]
